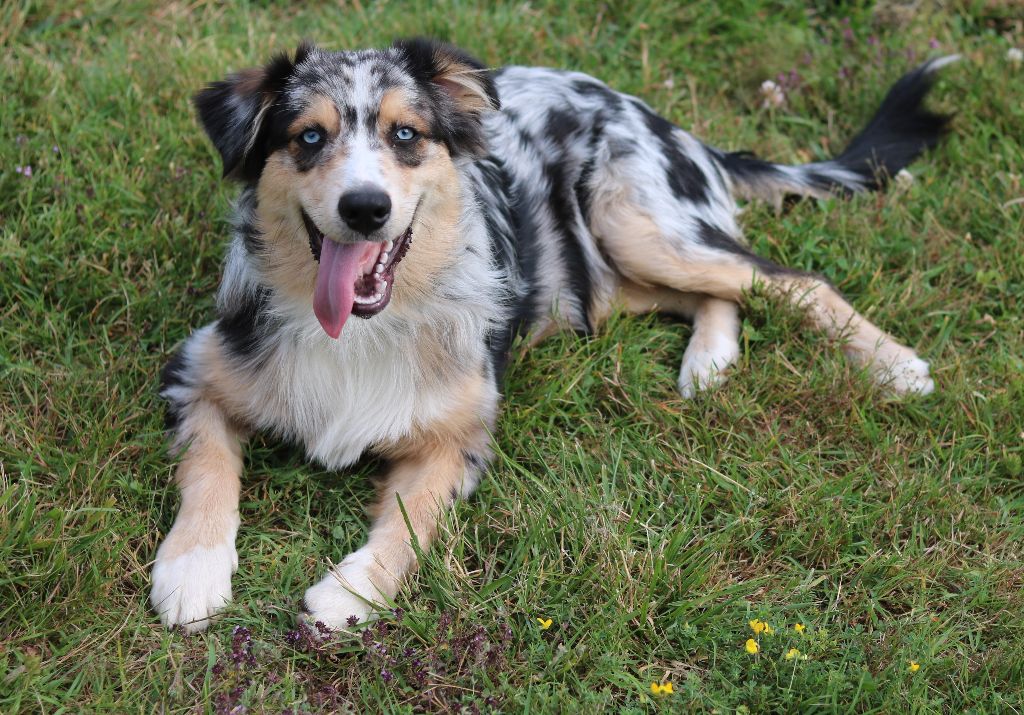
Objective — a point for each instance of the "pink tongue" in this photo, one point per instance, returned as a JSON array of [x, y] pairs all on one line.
[[336, 283]]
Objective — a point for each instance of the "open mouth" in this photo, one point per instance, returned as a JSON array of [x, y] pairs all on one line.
[[354, 278]]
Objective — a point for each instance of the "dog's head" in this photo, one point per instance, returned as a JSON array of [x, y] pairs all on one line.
[[353, 154]]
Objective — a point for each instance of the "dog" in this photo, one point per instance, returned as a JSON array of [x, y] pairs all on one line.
[[407, 215]]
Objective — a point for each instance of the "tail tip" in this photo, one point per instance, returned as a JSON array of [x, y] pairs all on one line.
[[934, 65]]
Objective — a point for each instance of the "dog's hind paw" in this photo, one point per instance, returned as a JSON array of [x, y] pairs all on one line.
[[704, 365], [906, 376], [190, 588]]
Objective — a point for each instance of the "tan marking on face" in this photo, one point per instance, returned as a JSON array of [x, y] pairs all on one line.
[[321, 112], [432, 186], [396, 110], [289, 269]]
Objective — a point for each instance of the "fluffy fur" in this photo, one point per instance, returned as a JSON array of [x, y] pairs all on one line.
[[433, 212]]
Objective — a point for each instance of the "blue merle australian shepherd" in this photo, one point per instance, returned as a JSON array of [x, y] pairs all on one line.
[[406, 214]]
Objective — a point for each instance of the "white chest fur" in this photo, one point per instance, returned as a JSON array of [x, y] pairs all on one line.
[[340, 398]]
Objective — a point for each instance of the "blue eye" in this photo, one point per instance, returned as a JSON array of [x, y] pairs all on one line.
[[311, 136], [405, 134]]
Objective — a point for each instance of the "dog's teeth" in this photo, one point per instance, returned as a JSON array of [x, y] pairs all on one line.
[[383, 286], [384, 257], [388, 246], [378, 269]]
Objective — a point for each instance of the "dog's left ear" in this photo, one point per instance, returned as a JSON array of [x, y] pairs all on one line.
[[461, 86], [233, 112]]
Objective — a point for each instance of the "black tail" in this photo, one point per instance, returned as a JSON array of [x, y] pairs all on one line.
[[900, 131]]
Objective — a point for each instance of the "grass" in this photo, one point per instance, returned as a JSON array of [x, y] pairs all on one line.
[[649, 529]]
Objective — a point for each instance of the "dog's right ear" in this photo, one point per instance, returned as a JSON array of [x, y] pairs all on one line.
[[233, 111]]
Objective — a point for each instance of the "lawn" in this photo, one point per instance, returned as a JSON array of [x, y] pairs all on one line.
[[649, 529]]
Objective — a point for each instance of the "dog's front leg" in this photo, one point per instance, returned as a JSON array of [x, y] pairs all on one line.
[[194, 564], [425, 479], [430, 469]]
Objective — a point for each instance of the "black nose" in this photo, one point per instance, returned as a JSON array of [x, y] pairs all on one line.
[[364, 210]]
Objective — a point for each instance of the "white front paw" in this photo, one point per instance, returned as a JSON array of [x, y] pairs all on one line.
[[190, 587], [704, 365], [344, 593]]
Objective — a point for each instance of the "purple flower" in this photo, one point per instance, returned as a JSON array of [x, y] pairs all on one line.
[[872, 40], [933, 43], [386, 675], [352, 621], [25, 171]]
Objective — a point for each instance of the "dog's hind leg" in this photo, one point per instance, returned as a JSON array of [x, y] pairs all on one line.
[[725, 269], [191, 578], [428, 472], [714, 343]]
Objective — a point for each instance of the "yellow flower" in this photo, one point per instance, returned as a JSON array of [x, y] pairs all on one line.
[[799, 628], [792, 653], [662, 688], [914, 666], [752, 646], [759, 626], [545, 623]]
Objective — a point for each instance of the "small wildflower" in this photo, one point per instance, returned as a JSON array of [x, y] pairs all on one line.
[[933, 43], [545, 623], [904, 179], [352, 621], [772, 95], [792, 653], [25, 171], [914, 666], [1015, 56], [759, 626], [752, 646], [799, 628], [661, 688]]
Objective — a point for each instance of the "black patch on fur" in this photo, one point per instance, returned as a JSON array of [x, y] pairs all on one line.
[[229, 110], [248, 327], [714, 237], [685, 178], [174, 374], [475, 461], [561, 126], [563, 205], [513, 239], [611, 100], [582, 187], [244, 223], [459, 130]]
